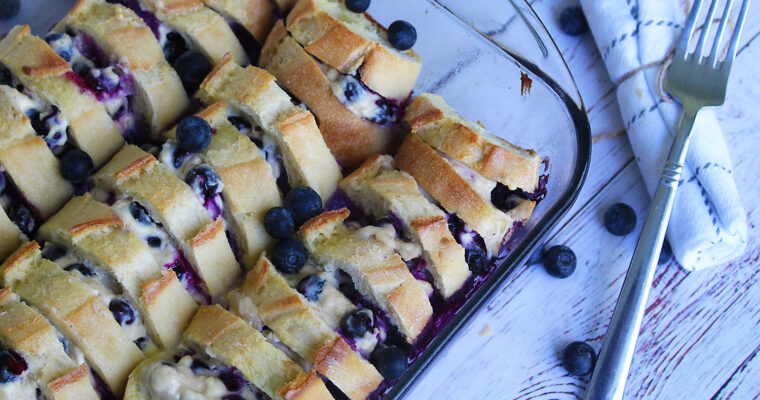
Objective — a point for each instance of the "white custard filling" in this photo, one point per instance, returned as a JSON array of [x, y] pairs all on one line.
[[166, 381], [165, 253], [55, 124], [20, 389], [363, 103], [480, 184], [385, 234]]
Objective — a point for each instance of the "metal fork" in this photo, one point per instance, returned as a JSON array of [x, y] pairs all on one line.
[[696, 81]]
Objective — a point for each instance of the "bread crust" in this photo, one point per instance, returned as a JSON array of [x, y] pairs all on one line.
[[354, 43], [40, 69], [256, 16], [442, 128], [350, 138], [160, 96], [12, 236]]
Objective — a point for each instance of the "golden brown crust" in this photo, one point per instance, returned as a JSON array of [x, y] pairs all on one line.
[[73, 386], [256, 16], [306, 386], [324, 222], [351, 373]]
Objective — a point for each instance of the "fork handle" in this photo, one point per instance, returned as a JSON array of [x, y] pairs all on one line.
[[611, 372]]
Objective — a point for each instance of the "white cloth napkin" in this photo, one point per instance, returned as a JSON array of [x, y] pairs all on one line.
[[708, 225]]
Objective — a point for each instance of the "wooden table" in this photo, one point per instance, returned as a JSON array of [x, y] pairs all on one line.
[[701, 334]]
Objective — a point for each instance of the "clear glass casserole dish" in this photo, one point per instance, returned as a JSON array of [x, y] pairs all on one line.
[[494, 62]]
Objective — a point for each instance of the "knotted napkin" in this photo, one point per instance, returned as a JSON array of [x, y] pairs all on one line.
[[635, 37]]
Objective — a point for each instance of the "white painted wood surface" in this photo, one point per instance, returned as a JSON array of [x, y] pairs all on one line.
[[701, 335]]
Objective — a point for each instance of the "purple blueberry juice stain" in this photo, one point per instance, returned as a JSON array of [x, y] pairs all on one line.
[[339, 200], [189, 278], [148, 17]]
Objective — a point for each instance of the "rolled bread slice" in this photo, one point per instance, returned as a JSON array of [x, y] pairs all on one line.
[[354, 126], [11, 234], [93, 232], [376, 269], [28, 336], [382, 191], [75, 311], [254, 93], [251, 20]]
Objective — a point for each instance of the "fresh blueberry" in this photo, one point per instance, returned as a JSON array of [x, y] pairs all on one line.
[[304, 203], [179, 158], [81, 268], [174, 46], [620, 219], [351, 91], [477, 260], [193, 134], [559, 261], [63, 47], [53, 252], [204, 179], [666, 253], [154, 241], [537, 256], [9, 8], [311, 286], [122, 312], [233, 381], [11, 366], [2, 183], [357, 323], [357, 6], [390, 361], [139, 213], [279, 223], [504, 198], [23, 218], [579, 358], [76, 166], [289, 256], [572, 21], [192, 67], [402, 35]]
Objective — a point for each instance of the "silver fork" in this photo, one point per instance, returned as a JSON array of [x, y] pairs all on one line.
[[696, 81]]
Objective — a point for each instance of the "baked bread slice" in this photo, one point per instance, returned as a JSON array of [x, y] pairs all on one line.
[[354, 44], [75, 311], [436, 123], [376, 269], [136, 174], [48, 368], [351, 135], [94, 233], [248, 18], [50, 81], [382, 191], [254, 93], [11, 234], [248, 186], [119, 37], [288, 314]]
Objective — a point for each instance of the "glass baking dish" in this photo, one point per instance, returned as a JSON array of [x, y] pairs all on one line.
[[495, 63]]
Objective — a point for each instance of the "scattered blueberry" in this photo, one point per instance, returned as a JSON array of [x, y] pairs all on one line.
[[357, 6], [234, 382], [390, 361], [572, 21], [666, 253], [304, 203], [402, 35], [356, 323], [174, 46], [6, 78], [289, 256], [311, 286], [579, 358], [279, 223], [154, 241], [122, 312], [9, 8], [193, 134], [537, 255], [62, 48], [140, 214], [11, 366], [179, 270], [620, 219], [385, 114], [23, 218], [504, 198], [477, 260], [53, 251], [81, 268], [559, 261], [351, 91], [102, 81], [204, 179], [192, 67], [76, 166]]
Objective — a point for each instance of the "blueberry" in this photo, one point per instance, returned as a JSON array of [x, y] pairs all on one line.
[[289, 256], [192, 67], [279, 223], [385, 115], [174, 47], [304, 203], [154, 241], [9, 8], [232, 381], [2, 183], [193, 134], [572, 21], [579, 358], [504, 198], [204, 179], [351, 91], [357, 323], [11, 366], [402, 35], [311, 286], [620, 219], [198, 365], [357, 6], [559, 261], [122, 312], [53, 252], [76, 166], [179, 270], [23, 218], [141, 342], [6, 78], [102, 81], [140, 214], [81, 268], [63, 49], [390, 361], [666, 253], [477, 260]]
